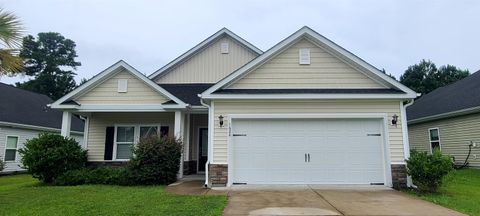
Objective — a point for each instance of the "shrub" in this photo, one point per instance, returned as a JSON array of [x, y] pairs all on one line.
[[50, 155], [156, 160], [110, 176], [72, 177], [2, 164], [428, 170], [100, 175]]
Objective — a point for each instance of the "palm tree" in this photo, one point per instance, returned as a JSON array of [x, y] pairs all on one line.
[[11, 31]]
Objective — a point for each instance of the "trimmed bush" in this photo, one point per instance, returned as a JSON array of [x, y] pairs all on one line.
[[72, 177], [100, 175], [2, 164], [50, 155], [428, 170], [156, 160]]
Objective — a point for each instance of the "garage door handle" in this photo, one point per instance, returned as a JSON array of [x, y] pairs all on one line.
[[305, 157], [309, 157], [239, 134]]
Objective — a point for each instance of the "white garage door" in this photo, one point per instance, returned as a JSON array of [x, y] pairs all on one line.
[[294, 151]]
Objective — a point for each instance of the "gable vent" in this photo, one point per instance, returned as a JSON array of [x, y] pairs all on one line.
[[122, 85], [224, 48], [304, 56]]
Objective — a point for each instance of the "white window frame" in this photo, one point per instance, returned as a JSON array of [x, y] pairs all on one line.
[[430, 139], [16, 148], [136, 136]]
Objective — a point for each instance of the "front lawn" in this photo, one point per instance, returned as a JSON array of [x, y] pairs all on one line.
[[461, 193], [23, 195]]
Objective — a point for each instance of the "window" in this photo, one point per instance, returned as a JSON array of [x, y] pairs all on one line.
[[122, 86], [124, 140], [11, 148], [126, 136], [434, 138]]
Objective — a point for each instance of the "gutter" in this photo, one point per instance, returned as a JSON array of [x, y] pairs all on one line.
[[210, 129], [406, 142], [446, 115]]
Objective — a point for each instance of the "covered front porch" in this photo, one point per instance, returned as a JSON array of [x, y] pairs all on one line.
[[109, 136]]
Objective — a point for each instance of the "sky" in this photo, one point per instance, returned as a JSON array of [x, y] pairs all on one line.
[[149, 34]]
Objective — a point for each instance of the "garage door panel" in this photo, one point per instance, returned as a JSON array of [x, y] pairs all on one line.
[[273, 151]]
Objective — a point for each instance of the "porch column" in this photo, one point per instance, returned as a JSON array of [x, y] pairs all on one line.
[[178, 132], [66, 123]]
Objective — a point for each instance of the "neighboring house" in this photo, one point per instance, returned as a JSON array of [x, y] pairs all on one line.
[[448, 118], [23, 115], [305, 111]]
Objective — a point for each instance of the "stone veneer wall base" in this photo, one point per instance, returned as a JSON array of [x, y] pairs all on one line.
[[399, 176], [218, 175]]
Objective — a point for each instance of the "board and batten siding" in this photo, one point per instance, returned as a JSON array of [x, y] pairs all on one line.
[[100, 121], [23, 135], [209, 65], [455, 136], [138, 92], [324, 71], [226, 107]]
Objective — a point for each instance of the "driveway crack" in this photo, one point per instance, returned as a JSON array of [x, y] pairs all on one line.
[[320, 195]]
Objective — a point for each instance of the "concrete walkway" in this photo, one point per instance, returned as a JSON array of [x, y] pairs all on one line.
[[315, 200]]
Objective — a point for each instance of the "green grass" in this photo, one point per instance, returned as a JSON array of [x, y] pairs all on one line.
[[461, 192], [23, 195]]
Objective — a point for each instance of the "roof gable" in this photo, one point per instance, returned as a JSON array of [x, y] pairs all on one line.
[[222, 34], [119, 67], [332, 48], [107, 92], [324, 71]]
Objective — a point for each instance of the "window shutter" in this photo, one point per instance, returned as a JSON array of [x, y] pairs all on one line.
[[109, 137], [164, 131]]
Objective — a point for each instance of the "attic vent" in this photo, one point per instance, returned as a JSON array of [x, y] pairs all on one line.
[[224, 48], [122, 85], [304, 56]]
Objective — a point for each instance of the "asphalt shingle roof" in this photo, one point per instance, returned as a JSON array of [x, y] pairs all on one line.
[[188, 93], [460, 95], [30, 108]]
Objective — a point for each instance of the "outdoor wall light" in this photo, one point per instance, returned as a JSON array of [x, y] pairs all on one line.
[[220, 120], [394, 119]]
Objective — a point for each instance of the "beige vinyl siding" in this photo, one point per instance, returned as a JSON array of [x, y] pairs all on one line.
[[209, 65], [324, 71], [227, 107], [196, 121], [455, 135], [138, 92], [23, 135], [99, 122]]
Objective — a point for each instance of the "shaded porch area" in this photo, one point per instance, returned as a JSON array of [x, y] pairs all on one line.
[[109, 136]]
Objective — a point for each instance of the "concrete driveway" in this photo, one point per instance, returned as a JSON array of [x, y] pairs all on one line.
[[317, 200]]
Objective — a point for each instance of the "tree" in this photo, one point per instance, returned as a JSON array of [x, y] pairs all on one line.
[[389, 74], [51, 60], [424, 77], [11, 31]]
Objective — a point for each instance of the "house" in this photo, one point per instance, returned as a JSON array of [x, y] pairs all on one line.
[[23, 115], [305, 111], [448, 118]]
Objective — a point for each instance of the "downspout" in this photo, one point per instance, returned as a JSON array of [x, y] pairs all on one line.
[[210, 128], [406, 142]]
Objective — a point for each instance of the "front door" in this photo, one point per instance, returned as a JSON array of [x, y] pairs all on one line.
[[202, 148]]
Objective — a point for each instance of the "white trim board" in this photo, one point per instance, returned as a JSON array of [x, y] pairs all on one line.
[[335, 49], [107, 73], [33, 127], [224, 31]]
